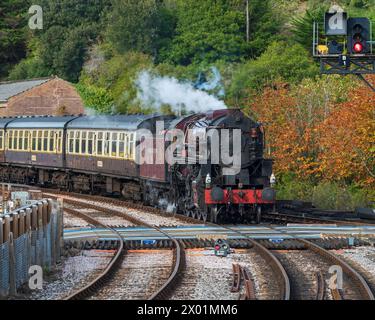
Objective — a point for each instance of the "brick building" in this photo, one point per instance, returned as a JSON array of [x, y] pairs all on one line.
[[48, 96]]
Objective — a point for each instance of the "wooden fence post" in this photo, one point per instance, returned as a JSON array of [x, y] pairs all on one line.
[[45, 212], [15, 218], [6, 228], [28, 219], [21, 222], [34, 217]]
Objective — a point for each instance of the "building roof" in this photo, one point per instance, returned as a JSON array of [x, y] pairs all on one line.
[[11, 89]]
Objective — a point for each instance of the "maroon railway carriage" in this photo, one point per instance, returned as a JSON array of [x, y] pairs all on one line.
[[104, 147], [36, 146]]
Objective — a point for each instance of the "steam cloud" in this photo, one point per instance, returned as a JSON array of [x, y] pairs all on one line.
[[155, 91]]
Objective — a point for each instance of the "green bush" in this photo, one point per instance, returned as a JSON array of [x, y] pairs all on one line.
[[288, 62], [324, 195]]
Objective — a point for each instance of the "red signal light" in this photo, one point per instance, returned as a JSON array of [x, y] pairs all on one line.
[[217, 247], [358, 47]]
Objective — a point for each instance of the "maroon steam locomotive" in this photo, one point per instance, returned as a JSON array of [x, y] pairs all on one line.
[[106, 155]]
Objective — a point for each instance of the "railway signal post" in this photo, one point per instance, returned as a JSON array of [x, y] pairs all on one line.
[[344, 45]]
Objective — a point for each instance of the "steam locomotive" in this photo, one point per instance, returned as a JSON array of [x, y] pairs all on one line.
[[208, 166]]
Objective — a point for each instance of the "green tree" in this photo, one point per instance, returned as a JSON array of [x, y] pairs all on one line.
[[211, 30], [281, 61], [13, 14], [140, 25], [69, 27]]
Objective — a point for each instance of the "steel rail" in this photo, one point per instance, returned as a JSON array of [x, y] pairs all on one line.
[[263, 251], [320, 292], [357, 279], [276, 266], [87, 290], [178, 252], [274, 263]]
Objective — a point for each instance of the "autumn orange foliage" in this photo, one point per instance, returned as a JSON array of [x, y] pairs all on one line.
[[324, 139]]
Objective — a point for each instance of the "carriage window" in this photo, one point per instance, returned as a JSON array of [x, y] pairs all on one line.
[[1, 139], [127, 146], [40, 141], [83, 142], [71, 141], [45, 141], [131, 145], [90, 141], [114, 145], [99, 148], [121, 145], [77, 138], [107, 141], [10, 133], [26, 141], [59, 142], [20, 140], [33, 141], [14, 140], [51, 145]]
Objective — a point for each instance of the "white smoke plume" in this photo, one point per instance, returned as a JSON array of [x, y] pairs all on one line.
[[155, 91], [213, 84]]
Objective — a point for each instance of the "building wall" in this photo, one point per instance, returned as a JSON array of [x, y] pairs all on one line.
[[55, 97]]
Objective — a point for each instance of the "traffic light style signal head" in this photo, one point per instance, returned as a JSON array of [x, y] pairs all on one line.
[[221, 248], [359, 36]]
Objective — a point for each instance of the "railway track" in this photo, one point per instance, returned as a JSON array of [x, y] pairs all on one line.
[[283, 282], [355, 286], [178, 263], [167, 289], [357, 283], [103, 277]]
